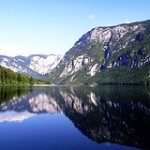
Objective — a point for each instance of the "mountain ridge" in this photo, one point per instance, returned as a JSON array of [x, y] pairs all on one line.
[[103, 49], [109, 54], [35, 65]]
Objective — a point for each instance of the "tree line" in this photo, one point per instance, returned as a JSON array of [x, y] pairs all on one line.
[[7, 76]]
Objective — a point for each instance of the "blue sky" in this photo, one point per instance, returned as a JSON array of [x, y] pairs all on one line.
[[53, 26]]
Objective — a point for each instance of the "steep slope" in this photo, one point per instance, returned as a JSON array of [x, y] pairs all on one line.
[[34, 65], [117, 54]]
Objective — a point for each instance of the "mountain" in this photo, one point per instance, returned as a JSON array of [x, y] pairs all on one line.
[[114, 54], [36, 66]]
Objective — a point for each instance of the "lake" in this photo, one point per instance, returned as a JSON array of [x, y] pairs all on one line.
[[74, 118]]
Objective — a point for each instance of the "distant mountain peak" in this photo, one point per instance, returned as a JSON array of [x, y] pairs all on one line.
[[35, 65]]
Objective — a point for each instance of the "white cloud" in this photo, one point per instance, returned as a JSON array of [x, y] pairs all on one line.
[[13, 50], [108, 25], [91, 17], [127, 21]]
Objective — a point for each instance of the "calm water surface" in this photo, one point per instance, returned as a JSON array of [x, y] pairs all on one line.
[[75, 118]]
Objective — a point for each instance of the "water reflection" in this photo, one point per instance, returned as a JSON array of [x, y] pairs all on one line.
[[9, 92], [104, 114], [12, 116]]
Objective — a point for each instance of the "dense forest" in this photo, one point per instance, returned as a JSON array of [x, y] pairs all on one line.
[[7, 76]]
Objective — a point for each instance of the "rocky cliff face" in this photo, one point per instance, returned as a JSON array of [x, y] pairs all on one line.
[[106, 48]]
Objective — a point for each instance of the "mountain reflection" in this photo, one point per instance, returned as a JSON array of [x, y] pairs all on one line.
[[12, 116], [104, 114]]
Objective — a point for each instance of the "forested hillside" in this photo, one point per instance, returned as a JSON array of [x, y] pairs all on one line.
[[7, 76]]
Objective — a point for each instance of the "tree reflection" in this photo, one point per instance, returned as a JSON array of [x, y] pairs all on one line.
[[8, 92]]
